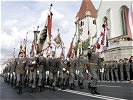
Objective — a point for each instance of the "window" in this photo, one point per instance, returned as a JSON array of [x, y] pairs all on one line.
[[94, 21], [123, 19], [81, 23]]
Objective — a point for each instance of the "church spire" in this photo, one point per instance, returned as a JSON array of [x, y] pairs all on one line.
[[87, 7]]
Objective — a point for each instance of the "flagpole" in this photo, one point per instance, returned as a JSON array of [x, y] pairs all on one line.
[[14, 54], [26, 44]]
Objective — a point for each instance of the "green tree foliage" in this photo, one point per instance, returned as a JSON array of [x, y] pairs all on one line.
[[85, 44]]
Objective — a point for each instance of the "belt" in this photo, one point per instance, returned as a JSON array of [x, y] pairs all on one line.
[[92, 63], [19, 68], [41, 65], [31, 68]]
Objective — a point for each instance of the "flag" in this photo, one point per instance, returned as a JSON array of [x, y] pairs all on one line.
[[58, 41], [63, 51], [20, 47], [70, 50], [79, 51], [49, 24], [129, 22], [101, 44], [24, 46]]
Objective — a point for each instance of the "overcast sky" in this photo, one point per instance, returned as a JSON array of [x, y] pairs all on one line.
[[20, 17]]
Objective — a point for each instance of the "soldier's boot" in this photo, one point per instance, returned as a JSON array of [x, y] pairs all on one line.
[[62, 87], [53, 88], [72, 86], [89, 85], [19, 90], [96, 92], [81, 86], [92, 90], [40, 88]]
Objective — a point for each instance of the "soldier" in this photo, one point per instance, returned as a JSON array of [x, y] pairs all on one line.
[[8, 72], [112, 70], [20, 71], [116, 70], [94, 63], [102, 71], [127, 67], [72, 70], [107, 71], [131, 66], [12, 72], [5, 73], [81, 67], [53, 64], [32, 68], [63, 73], [120, 65], [42, 69]]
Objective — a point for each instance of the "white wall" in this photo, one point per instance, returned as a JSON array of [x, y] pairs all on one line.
[[115, 16], [88, 25]]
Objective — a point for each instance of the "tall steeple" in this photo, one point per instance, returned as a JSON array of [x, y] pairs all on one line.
[[87, 7]]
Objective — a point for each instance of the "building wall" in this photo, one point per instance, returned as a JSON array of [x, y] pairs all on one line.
[[115, 17], [122, 48], [88, 26]]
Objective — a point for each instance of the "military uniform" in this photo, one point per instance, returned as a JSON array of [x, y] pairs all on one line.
[[72, 70], [32, 69], [127, 68], [94, 63], [53, 65], [63, 73], [13, 76], [116, 71], [80, 68], [20, 73], [120, 64], [107, 71], [42, 69], [8, 72], [102, 71], [112, 71], [131, 66]]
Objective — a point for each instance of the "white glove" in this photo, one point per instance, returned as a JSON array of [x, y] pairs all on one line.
[[64, 69], [34, 62]]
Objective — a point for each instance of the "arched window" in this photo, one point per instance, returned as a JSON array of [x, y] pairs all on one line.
[[123, 19]]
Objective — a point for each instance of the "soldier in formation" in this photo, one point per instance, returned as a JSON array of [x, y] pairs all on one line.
[[31, 73]]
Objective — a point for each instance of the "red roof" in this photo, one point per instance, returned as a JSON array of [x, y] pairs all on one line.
[[86, 5]]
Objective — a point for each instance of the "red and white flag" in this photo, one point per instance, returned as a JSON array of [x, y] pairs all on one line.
[[50, 24], [101, 44]]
